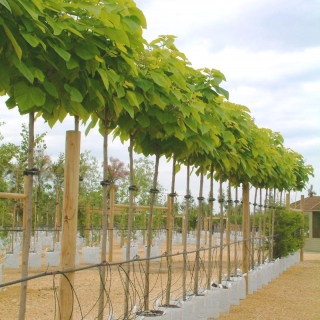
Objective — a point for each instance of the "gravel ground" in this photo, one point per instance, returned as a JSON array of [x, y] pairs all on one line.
[[294, 295]]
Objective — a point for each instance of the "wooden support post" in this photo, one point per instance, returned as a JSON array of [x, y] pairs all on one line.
[[302, 230], [288, 201], [111, 223], [246, 231], [168, 247], [205, 227], [87, 224], [69, 224]]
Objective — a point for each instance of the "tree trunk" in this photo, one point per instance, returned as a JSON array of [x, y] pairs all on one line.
[[221, 201], [199, 224], [246, 231], [169, 230], [264, 225], [149, 233], [253, 232], [132, 188], [185, 235], [104, 214], [228, 229]]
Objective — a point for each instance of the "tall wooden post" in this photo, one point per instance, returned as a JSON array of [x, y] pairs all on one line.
[[69, 224], [288, 201], [221, 201], [87, 224], [246, 231], [302, 230], [27, 223], [111, 223]]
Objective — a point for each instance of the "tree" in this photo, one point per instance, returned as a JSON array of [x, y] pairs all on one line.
[[311, 192]]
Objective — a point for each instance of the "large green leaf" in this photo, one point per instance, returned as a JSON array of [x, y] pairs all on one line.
[[132, 99], [14, 43], [30, 38], [191, 123], [104, 77], [228, 137], [5, 4], [160, 79], [51, 89], [75, 94], [27, 96], [23, 69], [61, 52], [86, 51]]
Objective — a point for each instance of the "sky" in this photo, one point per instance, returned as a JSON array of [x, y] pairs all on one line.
[[269, 52]]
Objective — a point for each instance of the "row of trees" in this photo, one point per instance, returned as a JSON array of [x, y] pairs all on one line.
[[89, 59]]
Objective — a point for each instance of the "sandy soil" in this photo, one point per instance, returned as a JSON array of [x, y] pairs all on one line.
[[293, 295]]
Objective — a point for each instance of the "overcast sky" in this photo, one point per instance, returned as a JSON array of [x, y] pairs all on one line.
[[269, 51]]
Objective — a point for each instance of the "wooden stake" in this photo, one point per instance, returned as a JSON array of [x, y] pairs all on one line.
[[246, 231], [28, 221], [69, 224], [111, 223], [302, 230]]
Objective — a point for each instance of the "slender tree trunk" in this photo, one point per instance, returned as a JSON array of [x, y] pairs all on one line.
[[132, 188], [221, 201], [149, 233], [199, 224], [253, 233], [264, 224], [185, 235], [27, 222], [210, 230], [260, 226], [169, 235], [105, 184], [272, 224], [246, 231], [236, 231], [228, 229]]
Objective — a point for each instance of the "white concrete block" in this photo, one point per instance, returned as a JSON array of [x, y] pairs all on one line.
[[11, 261], [52, 258], [91, 255], [34, 260]]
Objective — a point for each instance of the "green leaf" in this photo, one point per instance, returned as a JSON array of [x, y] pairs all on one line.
[[27, 96], [228, 136], [104, 77], [160, 79], [145, 85], [75, 94], [37, 73], [127, 107], [86, 51], [191, 123], [23, 69], [118, 36], [61, 52], [131, 63], [143, 120], [30, 38], [5, 4], [132, 99], [132, 22], [14, 43], [51, 89], [72, 63], [30, 9]]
